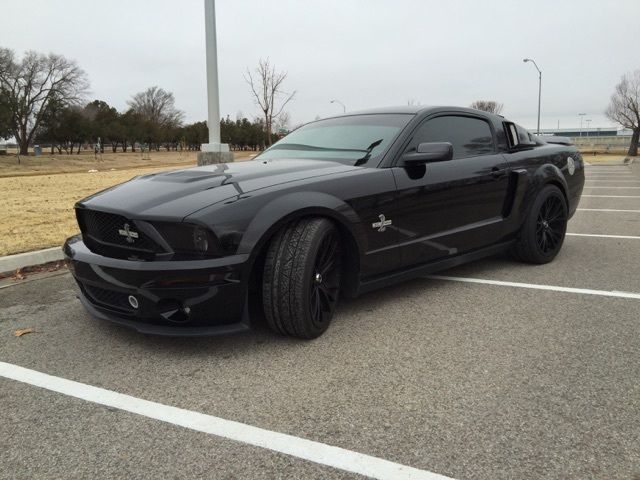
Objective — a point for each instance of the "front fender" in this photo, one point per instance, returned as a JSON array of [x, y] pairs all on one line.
[[282, 210]]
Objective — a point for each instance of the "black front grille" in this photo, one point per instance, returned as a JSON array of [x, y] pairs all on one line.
[[108, 298], [103, 233]]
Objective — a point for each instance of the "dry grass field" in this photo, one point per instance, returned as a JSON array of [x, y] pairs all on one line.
[[38, 210], [11, 165], [602, 158], [40, 192]]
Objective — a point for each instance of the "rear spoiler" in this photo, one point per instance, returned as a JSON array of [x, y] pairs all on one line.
[[555, 140]]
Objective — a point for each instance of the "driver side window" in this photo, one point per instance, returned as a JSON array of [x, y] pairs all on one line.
[[469, 136]]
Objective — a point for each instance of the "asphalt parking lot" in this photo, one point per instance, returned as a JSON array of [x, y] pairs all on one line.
[[500, 371]]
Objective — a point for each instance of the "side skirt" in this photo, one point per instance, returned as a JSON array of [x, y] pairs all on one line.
[[413, 272]]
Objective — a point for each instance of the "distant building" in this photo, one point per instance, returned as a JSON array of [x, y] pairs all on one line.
[[590, 132]]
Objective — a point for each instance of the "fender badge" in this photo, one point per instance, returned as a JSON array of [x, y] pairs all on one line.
[[571, 165], [382, 224]]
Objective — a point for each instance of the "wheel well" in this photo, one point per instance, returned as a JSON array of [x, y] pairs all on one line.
[[351, 259]]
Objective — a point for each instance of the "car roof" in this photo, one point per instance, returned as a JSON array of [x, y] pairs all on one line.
[[397, 109], [417, 109]]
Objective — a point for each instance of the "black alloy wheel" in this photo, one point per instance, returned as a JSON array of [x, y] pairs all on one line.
[[550, 225], [543, 230], [325, 281]]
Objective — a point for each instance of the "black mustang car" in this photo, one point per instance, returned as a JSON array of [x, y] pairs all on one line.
[[338, 207]]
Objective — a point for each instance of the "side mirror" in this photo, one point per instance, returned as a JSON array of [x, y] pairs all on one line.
[[429, 152]]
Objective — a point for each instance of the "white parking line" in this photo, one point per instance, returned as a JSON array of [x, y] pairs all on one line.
[[610, 185], [589, 180], [554, 288], [613, 188], [626, 237], [317, 452], [606, 210], [613, 196]]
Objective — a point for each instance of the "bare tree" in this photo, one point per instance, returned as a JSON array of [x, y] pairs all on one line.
[[157, 106], [266, 86], [5, 116], [31, 86], [490, 106], [282, 122], [624, 107]]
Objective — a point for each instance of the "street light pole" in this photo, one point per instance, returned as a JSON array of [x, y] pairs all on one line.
[[525, 60], [588, 120], [344, 109], [214, 151], [581, 117]]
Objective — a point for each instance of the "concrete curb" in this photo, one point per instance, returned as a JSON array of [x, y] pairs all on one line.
[[29, 259]]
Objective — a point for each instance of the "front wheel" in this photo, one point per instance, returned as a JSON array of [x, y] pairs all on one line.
[[301, 280], [544, 229]]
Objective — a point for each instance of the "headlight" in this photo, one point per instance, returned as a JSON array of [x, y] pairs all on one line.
[[200, 240], [188, 240]]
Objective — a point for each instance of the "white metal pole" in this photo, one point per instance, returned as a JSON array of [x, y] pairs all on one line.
[[525, 60], [213, 122], [539, 96], [344, 109]]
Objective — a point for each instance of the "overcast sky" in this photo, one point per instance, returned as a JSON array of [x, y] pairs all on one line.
[[366, 53]]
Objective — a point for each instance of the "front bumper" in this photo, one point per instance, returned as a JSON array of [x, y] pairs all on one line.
[[175, 298]]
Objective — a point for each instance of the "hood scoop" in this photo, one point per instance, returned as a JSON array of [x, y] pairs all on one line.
[[186, 176]]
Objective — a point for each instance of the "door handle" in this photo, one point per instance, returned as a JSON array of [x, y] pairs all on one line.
[[497, 172]]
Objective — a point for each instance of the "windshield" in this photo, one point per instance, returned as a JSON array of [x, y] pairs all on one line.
[[354, 139]]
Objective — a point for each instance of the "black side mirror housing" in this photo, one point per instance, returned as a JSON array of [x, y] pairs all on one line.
[[429, 152]]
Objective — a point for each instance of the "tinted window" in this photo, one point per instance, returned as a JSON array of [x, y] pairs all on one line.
[[470, 137], [519, 136], [524, 136], [512, 133], [345, 139]]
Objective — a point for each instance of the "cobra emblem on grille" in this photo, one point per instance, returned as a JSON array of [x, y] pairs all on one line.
[[129, 234]]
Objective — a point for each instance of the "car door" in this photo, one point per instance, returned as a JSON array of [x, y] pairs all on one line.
[[450, 207]]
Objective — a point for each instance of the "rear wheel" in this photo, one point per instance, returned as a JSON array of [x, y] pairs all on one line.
[[543, 231], [301, 280]]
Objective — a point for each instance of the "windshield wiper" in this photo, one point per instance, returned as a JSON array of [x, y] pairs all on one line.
[[368, 151]]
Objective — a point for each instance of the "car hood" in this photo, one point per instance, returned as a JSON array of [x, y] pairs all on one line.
[[178, 193]]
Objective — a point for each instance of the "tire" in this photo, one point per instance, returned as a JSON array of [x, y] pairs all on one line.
[[301, 279], [542, 234]]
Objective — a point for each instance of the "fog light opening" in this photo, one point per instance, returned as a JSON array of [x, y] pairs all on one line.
[[133, 301]]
